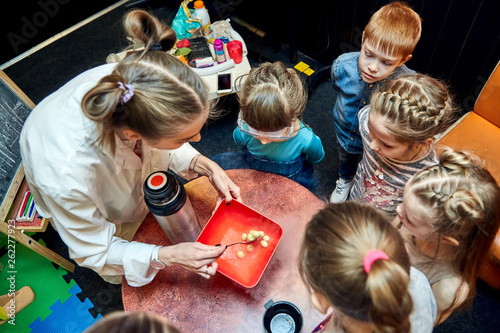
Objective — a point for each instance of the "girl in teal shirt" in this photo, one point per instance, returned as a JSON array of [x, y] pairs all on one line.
[[269, 133]]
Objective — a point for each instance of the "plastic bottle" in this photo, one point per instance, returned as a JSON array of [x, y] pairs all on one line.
[[167, 199], [219, 51], [201, 12]]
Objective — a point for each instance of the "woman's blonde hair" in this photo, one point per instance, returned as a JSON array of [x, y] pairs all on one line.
[[271, 96], [331, 257], [167, 94], [413, 107], [395, 29], [463, 201], [132, 322]]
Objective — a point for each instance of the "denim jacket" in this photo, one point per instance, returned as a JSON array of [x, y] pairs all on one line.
[[353, 95]]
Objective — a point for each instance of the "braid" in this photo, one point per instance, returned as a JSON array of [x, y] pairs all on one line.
[[463, 201], [417, 107], [463, 204], [458, 162], [456, 202]]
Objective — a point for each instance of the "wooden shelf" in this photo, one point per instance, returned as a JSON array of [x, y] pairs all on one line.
[[39, 224]]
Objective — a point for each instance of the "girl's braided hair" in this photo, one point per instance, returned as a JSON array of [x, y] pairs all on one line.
[[463, 201], [414, 107]]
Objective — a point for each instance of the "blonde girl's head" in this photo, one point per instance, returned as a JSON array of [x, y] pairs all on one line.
[[413, 108], [271, 97], [331, 258], [167, 94], [462, 201]]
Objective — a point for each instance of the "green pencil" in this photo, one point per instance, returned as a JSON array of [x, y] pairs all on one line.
[[28, 205]]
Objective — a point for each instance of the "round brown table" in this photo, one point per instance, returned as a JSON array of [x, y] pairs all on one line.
[[194, 304]]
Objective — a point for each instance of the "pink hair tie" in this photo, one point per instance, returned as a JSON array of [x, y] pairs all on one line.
[[372, 256], [128, 92]]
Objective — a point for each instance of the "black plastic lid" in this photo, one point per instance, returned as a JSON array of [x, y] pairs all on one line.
[[163, 193]]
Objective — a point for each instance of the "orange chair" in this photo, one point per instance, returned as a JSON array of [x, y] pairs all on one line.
[[478, 131]]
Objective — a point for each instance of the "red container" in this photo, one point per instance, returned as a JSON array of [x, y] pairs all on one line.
[[226, 226], [235, 50]]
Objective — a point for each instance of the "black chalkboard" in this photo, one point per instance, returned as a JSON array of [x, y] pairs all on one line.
[[15, 107]]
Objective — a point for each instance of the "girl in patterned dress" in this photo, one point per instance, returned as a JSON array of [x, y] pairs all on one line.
[[398, 129]]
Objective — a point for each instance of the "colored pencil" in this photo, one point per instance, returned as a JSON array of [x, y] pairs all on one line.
[[27, 205], [32, 210], [23, 206]]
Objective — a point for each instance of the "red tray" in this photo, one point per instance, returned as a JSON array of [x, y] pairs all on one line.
[[226, 226]]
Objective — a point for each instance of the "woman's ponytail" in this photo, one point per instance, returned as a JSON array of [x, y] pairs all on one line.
[[143, 26]]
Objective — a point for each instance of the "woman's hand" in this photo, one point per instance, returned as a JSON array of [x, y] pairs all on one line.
[[224, 185], [198, 258], [218, 177]]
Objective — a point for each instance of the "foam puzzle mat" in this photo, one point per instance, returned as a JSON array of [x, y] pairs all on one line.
[[57, 307]]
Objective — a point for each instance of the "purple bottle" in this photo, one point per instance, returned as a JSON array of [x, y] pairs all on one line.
[[219, 51]]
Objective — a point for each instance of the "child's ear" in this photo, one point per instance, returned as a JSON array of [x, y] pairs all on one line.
[[427, 142], [131, 135], [320, 302], [450, 240], [405, 59]]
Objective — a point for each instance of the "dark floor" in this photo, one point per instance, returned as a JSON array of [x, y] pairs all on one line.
[[46, 70]]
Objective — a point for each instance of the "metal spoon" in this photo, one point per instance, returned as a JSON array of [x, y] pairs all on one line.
[[243, 242]]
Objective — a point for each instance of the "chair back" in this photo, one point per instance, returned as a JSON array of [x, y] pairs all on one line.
[[488, 102]]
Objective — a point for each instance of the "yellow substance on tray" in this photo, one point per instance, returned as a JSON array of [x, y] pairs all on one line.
[[252, 235]]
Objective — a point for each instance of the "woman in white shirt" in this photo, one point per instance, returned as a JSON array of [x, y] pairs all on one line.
[[78, 155]]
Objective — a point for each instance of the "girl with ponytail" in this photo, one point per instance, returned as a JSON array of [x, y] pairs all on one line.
[[449, 218], [355, 262]]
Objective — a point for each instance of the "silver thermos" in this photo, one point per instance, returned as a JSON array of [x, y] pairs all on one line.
[[167, 199]]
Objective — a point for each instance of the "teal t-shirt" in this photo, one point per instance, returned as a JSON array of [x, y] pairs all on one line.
[[304, 142]]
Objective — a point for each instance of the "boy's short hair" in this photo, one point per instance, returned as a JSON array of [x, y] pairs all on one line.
[[395, 29]]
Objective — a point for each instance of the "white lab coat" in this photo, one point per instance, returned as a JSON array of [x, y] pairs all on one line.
[[92, 196]]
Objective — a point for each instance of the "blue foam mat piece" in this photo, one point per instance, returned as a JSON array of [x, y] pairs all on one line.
[[72, 316]]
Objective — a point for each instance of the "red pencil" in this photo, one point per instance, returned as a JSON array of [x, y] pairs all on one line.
[[23, 206]]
